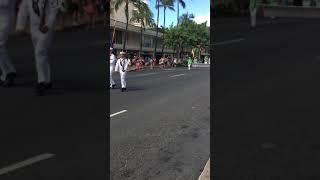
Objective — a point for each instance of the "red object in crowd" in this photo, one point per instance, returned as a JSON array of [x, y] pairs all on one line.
[[90, 8]]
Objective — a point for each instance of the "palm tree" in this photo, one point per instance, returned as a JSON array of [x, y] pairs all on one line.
[[142, 15], [165, 4], [157, 28], [183, 4], [186, 18], [117, 4]]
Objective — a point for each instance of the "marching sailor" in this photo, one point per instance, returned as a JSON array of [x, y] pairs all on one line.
[[112, 66], [253, 12], [42, 15], [122, 66], [7, 13]]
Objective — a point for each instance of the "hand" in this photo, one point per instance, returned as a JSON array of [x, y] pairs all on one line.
[[44, 29]]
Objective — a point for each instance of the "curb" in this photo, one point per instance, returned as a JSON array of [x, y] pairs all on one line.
[[205, 175]]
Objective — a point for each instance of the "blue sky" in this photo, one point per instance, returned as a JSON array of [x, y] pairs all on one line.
[[200, 9]]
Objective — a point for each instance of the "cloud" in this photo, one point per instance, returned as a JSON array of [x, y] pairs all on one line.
[[202, 19]]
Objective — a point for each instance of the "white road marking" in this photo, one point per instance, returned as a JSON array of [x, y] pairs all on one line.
[[178, 75], [120, 112], [205, 174], [228, 42], [25, 163]]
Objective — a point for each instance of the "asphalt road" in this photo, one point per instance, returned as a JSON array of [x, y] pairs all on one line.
[[267, 101], [165, 131], [163, 135], [69, 123]]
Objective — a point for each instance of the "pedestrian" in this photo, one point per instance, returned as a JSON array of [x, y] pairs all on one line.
[[154, 62], [42, 16], [7, 13], [189, 63], [112, 66], [206, 60], [151, 63], [175, 62], [75, 10], [253, 12], [122, 67]]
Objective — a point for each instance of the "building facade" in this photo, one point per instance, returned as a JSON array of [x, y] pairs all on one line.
[[117, 30]]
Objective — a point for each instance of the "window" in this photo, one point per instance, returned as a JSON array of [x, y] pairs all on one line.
[[159, 42], [147, 41]]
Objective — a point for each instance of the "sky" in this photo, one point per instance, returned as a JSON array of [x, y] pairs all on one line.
[[199, 8]]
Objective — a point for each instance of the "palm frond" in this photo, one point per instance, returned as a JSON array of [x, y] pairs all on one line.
[[183, 4]]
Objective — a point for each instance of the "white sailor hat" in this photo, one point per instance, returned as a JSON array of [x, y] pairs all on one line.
[[122, 53], [111, 48]]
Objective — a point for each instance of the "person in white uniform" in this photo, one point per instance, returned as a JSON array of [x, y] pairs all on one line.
[[112, 66], [42, 15], [122, 67], [7, 13], [253, 12]]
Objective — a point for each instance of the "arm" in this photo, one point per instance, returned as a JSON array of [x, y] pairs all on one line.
[[127, 65], [22, 16], [52, 12], [116, 69]]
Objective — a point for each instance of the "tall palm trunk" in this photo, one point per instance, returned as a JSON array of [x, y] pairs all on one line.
[[127, 23], [178, 13], [164, 28], [140, 41], [157, 31]]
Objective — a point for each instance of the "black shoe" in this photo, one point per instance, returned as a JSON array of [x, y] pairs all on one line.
[[113, 86], [122, 89], [48, 85], [40, 89], [9, 80]]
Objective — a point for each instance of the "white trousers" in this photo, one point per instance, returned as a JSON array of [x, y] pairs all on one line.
[[41, 43], [5, 63], [111, 79], [189, 66], [253, 15], [123, 76]]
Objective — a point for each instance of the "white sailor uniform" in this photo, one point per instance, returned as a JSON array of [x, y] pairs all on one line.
[[122, 67], [40, 12], [7, 13], [112, 67]]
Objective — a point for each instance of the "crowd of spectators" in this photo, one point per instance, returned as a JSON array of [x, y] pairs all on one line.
[[83, 11]]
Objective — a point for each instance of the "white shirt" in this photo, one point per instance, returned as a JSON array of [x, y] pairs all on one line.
[[112, 60], [26, 11], [122, 64]]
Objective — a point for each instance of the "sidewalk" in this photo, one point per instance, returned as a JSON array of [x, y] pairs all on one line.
[[205, 175]]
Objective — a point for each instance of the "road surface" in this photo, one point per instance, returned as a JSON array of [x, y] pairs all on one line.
[[65, 135], [267, 97], [165, 131], [62, 135]]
